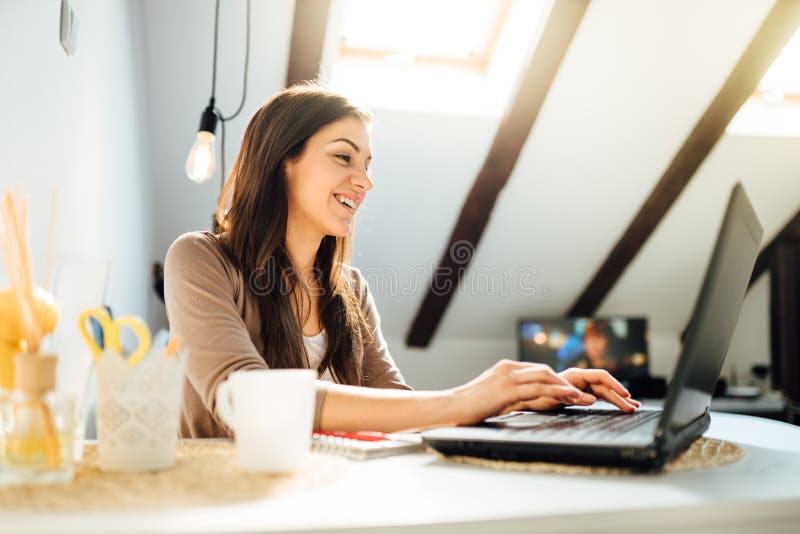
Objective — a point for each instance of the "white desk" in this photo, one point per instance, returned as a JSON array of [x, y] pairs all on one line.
[[760, 493]]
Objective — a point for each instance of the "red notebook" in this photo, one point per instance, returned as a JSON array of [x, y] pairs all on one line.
[[365, 445]]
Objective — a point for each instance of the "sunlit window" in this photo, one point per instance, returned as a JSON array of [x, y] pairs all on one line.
[[774, 108], [458, 32], [447, 56]]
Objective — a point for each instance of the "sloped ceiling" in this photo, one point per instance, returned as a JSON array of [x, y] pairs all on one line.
[[636, 78]]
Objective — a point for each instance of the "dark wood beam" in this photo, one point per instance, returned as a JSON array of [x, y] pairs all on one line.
[[790, 233], [779, 25], [511, 135], [308, 38], [784, 316]]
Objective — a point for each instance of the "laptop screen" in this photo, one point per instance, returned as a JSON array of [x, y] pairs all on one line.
[[716, 312], [616, 344]]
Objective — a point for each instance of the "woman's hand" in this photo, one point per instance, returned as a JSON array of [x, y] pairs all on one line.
[[595, 383], [603, 386], [517, 384]]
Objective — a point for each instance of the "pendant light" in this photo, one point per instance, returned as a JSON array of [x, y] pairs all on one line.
[[201, 162]]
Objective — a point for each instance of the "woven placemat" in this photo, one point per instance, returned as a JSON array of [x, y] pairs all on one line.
[[704, 453], [206, 473]]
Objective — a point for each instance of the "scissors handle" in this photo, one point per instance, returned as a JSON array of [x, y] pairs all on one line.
[[111, 334], [106, 326], [142, 333]]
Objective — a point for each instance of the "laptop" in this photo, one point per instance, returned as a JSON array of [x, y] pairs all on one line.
[[645, 439]]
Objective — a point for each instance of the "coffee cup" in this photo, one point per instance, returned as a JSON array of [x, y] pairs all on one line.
[[271, 413]]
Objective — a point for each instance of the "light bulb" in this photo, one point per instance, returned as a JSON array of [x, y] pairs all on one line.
[[201, 163]]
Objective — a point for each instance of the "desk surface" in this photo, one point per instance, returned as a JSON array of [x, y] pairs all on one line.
[[760, 493]]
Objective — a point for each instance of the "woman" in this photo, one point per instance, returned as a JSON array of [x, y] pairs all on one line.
[[271, 289], [597, 336]]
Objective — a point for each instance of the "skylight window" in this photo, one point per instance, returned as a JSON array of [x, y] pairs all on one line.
[[781, 83], [774, 108], [450, 31], [443, 56]]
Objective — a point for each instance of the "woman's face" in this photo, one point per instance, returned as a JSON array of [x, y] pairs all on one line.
[[595, 347], [329, 181]]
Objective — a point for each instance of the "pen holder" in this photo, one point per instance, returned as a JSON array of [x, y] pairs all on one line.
[[138, 411]]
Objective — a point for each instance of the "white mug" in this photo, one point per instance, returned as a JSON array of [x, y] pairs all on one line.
[[271, 413]]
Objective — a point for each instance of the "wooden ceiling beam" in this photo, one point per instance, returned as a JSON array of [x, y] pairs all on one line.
[[789, 233], [308, 39], [776, 30], [516, 124]]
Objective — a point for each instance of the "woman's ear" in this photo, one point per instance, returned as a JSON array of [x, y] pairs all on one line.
[[288, 168]]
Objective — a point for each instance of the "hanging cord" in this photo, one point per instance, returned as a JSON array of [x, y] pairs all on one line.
[[214, 62], [217, 111]]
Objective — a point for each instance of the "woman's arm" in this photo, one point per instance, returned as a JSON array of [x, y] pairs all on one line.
[[351, 408], [506, 384], [199, 288]]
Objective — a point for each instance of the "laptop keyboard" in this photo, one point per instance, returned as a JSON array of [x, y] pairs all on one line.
[[577, 424]]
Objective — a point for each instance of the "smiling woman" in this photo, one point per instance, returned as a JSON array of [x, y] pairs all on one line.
[[273, 288], [285, 189], [335, 163]]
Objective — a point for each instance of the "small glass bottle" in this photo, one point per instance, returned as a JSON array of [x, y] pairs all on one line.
[[5, 395], [37, 424]]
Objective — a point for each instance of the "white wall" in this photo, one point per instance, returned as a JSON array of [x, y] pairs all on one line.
[[634, 82], [179, 37], [79, 123]]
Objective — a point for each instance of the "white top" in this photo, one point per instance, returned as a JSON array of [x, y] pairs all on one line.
[[315, 350]]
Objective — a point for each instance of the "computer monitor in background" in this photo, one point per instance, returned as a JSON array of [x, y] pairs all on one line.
[[616, 344]]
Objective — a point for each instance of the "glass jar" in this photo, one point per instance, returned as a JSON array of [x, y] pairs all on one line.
[[37, 425]]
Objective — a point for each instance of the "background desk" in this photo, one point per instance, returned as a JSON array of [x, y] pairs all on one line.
[[760, 493], [770, 404]]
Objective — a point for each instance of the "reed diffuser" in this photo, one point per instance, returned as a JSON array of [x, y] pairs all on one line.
[[36, 422]]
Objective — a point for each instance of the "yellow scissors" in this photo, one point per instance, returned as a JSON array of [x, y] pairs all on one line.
[[111, 333]]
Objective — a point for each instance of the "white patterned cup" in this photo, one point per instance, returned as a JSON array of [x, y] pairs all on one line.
[[138, 412], [271, 413]]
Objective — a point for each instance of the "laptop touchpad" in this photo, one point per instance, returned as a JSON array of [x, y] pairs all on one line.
[[523, 419]]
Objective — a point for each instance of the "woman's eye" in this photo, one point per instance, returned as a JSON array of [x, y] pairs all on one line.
[[343, 157]]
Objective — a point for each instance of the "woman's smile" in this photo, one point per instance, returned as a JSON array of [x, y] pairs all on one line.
[[346, 202], [347, 209]]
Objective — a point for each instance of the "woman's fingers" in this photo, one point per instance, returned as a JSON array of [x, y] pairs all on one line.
[[586, 400], [534, 381], [538, 387], [515, 408], [538, 373], [564, 394], [604, 378], [625, 404], [583, 378], [530, 386], [539, 404]]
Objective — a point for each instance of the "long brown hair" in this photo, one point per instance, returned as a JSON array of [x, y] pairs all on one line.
[[253, 234]]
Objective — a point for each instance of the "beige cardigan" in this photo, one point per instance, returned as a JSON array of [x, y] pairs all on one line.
[[217, 321]]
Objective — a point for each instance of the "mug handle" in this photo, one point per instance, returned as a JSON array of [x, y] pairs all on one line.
[[224, 406]]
